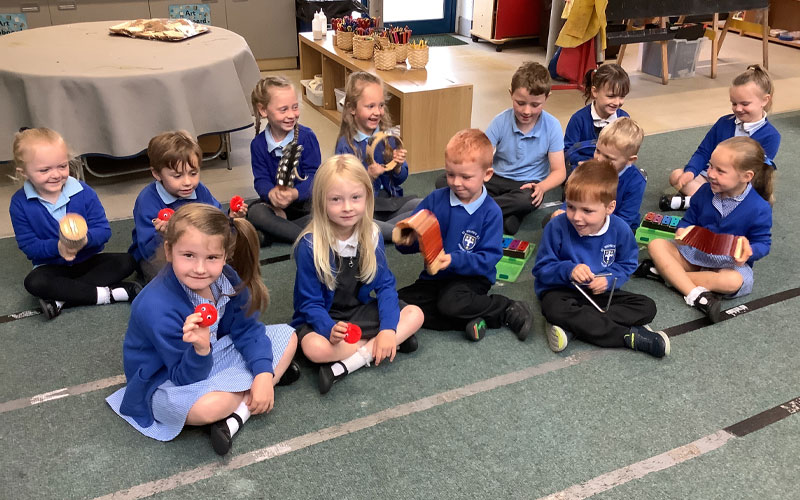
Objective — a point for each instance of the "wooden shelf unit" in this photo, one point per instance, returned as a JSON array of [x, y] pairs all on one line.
[[427, 104]]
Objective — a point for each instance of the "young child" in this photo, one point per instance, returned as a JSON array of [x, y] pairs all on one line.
[[341, 260], [594, 249], [63, 276], [529, 148], [175, 159], [607, 87], [619, 144], [180, 372], [282, 212], [737, 199], [364, 115], [456, 297], [751, 98]]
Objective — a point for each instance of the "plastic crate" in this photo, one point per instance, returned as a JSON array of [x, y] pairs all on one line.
[[682, 56], [339, 93]]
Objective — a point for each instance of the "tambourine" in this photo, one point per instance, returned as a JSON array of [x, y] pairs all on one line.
[[388, 151]]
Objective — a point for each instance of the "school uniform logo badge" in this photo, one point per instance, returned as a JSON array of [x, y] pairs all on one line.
[[468, 240], [609, 252]]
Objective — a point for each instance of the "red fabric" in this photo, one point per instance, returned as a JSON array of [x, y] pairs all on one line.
[[575, 62]]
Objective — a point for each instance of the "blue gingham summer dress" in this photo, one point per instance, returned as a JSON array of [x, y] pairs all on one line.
[[171, 403]]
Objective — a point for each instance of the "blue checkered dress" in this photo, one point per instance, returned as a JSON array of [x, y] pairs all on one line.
[[706, 260], [171, 403]]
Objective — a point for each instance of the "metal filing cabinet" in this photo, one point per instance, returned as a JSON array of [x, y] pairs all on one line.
[[37, 14], [269, 27], [77, 11]]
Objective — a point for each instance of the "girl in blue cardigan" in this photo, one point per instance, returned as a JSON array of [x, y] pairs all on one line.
[[341, 260], [63, 276], [181, 372], [751, 99], [737, 199], [282, 212]]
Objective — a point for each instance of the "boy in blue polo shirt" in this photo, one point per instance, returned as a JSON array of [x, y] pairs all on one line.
[[457, 295], [529, 148], [590, 250]]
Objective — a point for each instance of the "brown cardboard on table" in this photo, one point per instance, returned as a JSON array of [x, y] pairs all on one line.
[[171, 30], [425, 226]]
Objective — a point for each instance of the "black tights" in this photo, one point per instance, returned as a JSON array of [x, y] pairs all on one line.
[[77, 284]]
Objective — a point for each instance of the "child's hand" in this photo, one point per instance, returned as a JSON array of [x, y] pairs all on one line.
[[404, 238], [684, 179], [399, 155], [582, 274], [338, 332], [537, 193], [375, 170], [241, 213], [261, 397], [679, 232], [198, 336], [598, 285], [442, 261], [747, 252], [160, 225], [384, 346], [67, 254], [277, 198]]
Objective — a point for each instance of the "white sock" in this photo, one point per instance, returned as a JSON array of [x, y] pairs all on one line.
[[103, 295], [358, 359], [696, 291], [675, 203], [119, 294], [59, 304], [244, 414]]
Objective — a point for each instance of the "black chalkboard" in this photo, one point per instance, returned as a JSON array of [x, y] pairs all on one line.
[[627, 9]]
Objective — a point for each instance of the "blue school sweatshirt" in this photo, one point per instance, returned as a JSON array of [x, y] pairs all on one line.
[[265, 164], [580, 129], [389, 182]]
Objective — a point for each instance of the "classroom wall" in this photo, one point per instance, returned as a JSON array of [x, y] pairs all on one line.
[[464, 17]]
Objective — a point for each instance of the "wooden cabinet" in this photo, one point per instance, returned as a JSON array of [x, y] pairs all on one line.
[[37, 13], [79, 11], [269, 27], [498, 21]]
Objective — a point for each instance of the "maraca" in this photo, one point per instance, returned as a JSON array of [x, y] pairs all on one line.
[[209, 314], [353, 334], [165, 213], [72, 231], [236, 203]]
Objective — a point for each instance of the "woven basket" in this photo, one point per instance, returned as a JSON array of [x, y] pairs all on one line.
[[400, 51], [418, 58], [385, 59], [363, 47], [344, 40], [384, 41]]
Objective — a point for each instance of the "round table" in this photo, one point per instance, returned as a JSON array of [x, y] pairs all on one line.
[[109, 94]]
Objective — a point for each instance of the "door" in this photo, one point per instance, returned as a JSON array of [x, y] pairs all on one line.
[[424, 17]]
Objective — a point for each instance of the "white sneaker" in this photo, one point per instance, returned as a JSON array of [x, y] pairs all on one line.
[[557, 338]]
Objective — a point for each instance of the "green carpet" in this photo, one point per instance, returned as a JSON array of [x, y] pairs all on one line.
[[442, 40]]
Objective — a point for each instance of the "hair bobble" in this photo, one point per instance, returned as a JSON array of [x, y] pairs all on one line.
[[768, 161]]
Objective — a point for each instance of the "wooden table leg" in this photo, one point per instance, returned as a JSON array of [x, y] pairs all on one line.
[[725, 28], [714, 45], [621, 53], [765, 36], [664, 57]]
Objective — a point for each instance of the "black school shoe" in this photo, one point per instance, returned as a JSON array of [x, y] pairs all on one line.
[[518, 318], [409, 345], [475, 329], [49, 308], [220, 434], [291, 375], [327, 378], [647, 269], [132, 288], [644, 339], [709, 304]]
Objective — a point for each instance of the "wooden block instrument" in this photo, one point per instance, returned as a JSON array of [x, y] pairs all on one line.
[[388, 151], [423, 226], [713, 243], [290, 160], [72, 231]]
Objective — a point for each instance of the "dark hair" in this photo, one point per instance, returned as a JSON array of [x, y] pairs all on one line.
[[174, 150], [611, 75], [239, 239], [532, 77], [593, 180]]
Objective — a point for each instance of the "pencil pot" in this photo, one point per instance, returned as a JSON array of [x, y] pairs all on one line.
[[384, 41], [418, 58], [385, 59], [400, 51], [344, 40], [363, 47]]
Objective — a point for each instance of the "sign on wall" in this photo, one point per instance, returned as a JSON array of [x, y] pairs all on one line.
[[10, 23], [196, 12]]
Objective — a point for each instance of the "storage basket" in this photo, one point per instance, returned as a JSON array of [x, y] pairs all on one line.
[[344, 40], [385, 59], [400, 51], [363, 47], [384, 41], [418, 58]]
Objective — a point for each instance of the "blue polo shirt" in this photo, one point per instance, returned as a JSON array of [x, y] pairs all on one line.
[[523, 157], [58, 209]]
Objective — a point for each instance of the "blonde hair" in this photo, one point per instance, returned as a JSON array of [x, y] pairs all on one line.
[[532, 77], [26, 139], [262, 96], [323, 238], [623, 134], [470, 144], [749, 155], [239, 239], [758, 75], [352, 93], [175, 150], [591, 181]]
